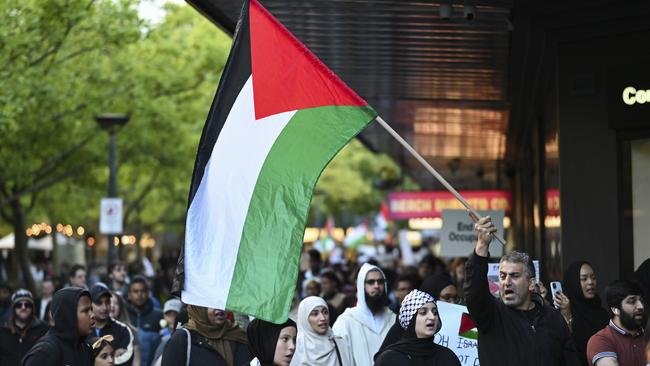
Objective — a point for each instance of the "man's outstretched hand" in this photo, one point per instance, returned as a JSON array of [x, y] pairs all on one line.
[[484, 228]]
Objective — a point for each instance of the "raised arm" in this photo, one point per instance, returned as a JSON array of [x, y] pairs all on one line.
[[480, 302]]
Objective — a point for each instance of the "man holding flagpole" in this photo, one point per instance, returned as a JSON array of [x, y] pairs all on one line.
[[517, 329]]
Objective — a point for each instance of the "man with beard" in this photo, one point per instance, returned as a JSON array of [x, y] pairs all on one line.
[[104, 325], [622, 341], [365, 326], [22, 330], [517, 329]]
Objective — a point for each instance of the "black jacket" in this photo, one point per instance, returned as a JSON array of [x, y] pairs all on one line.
[[14, 342], [509, 337], [201, 352], [62, 345], [122, 338]]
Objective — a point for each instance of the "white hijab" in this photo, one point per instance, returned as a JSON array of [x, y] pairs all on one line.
[[311, 347]]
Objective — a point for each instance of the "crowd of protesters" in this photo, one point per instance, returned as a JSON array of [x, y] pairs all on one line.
[[343, 313]]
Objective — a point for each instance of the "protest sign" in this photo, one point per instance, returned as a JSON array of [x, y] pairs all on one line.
[[458, 333], [458, 236]]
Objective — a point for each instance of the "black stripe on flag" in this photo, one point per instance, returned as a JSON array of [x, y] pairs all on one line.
[[235, 74]]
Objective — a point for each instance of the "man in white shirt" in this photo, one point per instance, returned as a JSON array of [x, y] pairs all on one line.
[[365, 326]]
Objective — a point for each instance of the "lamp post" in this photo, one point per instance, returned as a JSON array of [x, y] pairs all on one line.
[[112, 123]]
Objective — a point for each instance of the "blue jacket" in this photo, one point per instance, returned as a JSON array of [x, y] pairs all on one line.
[[147, 320]]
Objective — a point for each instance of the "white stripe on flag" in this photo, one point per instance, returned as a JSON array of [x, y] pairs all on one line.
[[217, 214]]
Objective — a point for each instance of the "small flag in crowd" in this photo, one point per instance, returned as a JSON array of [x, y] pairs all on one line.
[[279, 116], [356, 237], [467, 327]]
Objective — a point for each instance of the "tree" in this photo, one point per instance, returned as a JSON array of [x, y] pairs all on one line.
[[350, 183], [62, 63]]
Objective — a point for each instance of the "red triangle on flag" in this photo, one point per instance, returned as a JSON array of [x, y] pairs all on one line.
[[286, 75], [466, 323]]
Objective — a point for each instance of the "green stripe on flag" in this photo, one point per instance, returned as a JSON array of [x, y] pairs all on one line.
[[471, 334], [269, 252]]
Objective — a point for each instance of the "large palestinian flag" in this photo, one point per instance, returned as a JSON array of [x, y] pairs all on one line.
[[279, 116]]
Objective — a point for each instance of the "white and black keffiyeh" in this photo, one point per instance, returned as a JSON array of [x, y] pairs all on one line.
[[412, 302]]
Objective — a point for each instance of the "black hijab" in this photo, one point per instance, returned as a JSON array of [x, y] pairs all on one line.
[[432, 285], [411, 345], [263, 338], [642, 276], [435, 283], [589, 316]]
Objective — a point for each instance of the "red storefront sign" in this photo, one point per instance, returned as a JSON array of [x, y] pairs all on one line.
[[408, 205], [553, 202]]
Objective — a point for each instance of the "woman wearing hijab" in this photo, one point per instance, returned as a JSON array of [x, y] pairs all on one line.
[[581, 306], [213, 340], [435, 285], [272, 344], [418, 317], [317, 345], [442, 287]]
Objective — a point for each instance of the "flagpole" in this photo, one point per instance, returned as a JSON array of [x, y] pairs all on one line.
[[431, 170]]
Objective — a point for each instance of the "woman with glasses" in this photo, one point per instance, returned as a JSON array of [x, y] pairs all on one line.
[[103, 350], [442, 287], [419, 320], [316, 344]]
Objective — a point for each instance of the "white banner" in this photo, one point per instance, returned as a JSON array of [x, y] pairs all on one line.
[[458, 333], [405, 249], [110, 217]]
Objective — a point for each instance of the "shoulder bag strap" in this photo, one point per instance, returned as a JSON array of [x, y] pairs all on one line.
[[189, 345], [338, 353]]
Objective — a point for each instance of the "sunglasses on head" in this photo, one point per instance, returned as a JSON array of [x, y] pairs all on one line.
[[380, 281], [23, 304]]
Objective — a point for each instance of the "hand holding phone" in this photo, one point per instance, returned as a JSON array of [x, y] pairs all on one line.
[[556, 287]]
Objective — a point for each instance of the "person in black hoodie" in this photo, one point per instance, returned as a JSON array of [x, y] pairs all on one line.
[[65, 344], [517, 329], [22, 330], [581, 306]]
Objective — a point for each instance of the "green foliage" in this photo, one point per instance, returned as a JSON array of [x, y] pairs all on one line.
[[64, 62], [347, 186]]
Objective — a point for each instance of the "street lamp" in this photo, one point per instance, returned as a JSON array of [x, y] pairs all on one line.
[[112, 123]]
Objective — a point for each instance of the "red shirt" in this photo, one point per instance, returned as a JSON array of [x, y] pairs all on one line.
[[612, 341]]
